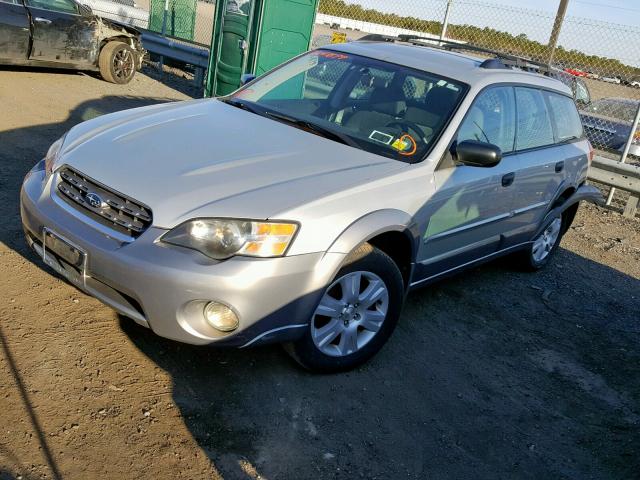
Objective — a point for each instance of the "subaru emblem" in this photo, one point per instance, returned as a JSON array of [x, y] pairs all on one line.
[[93, 199]]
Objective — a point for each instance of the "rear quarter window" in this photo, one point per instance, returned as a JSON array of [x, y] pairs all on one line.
[[565, 116]]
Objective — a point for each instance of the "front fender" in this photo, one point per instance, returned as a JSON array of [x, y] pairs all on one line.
[[371, 225]]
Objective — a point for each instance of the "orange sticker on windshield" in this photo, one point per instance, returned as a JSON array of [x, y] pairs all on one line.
[[406, 145]]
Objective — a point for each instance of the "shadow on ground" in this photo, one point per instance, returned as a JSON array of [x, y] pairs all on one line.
[[495, 375], [20, 150]]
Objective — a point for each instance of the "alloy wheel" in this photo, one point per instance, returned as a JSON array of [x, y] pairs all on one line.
[[350, 314], [123, 63], [545, 242]]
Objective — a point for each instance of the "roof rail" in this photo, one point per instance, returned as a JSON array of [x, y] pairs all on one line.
[[376, 37], [501, 60]]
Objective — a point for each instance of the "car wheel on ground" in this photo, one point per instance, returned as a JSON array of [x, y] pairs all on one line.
[[544, 246], [117, 62], [355, 317]]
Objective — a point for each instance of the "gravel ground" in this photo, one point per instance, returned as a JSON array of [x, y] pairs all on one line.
[[491, 374]]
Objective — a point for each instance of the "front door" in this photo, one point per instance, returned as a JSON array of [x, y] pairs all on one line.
[[62, 34], [470, 214], [14, 31], [237, 18]]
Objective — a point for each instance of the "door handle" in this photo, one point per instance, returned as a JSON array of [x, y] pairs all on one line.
[[46, 21], [559, 166], [508, 179]]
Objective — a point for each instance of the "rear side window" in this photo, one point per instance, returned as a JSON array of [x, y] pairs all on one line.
[[534, 123], [491, 119], [565, 116]]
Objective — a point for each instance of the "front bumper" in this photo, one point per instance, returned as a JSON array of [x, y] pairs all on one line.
[[166, 288]]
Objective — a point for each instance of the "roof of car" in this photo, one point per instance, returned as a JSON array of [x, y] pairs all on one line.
[[457, 66]]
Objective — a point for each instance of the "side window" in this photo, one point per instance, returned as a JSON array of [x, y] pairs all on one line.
[[491, 119], [565, 116], [315, 80], [63, 6], [534, 123], [415, 88], [582, 93], [372, 79]]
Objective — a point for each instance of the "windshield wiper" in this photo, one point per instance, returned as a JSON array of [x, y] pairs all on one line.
[[242, 105], [314, 128]]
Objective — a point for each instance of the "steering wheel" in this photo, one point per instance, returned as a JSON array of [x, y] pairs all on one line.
[[406, 125]]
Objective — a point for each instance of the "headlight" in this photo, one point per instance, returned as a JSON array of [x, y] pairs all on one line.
[[52, 155], [222, 238]]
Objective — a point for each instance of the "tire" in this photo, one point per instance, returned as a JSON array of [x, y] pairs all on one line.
[[352, 332], [117, 62], [545, 245]]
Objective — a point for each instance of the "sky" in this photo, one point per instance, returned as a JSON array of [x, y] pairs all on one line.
[[609, 28]]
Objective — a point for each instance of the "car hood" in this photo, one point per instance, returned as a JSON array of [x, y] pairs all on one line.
[[206, 158]]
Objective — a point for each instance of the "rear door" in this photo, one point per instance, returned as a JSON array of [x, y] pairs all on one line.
[[547, 124], [62, 34], [470, 212], [14, 31]]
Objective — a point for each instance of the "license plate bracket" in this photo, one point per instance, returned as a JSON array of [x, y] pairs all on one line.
[[64, 257]]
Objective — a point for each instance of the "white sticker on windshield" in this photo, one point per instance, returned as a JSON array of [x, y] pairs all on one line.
[[381, 137]]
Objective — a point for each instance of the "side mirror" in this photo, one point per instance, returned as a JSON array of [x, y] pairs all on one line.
[[246, 78], [478, 154]]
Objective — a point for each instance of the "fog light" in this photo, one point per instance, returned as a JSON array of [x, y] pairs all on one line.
[[220, 317]]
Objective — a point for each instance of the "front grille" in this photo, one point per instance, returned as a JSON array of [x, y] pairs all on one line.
[[103, 204]]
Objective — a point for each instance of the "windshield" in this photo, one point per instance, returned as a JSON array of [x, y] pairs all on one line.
[[376, 106]]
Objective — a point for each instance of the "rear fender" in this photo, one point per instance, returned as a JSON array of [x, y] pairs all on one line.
[[586, 193]]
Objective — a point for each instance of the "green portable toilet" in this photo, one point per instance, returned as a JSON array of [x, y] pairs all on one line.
[[180, 18], [254, 36]]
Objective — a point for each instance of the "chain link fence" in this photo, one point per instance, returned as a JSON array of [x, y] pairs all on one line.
[[599, 61], [188, 20]]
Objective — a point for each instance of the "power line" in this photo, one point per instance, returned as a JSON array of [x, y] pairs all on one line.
[[607, 5]]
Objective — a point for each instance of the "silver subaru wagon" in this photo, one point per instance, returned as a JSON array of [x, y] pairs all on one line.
[[302, 208]]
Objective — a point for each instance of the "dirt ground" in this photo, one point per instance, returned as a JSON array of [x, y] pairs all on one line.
[[492, 374]]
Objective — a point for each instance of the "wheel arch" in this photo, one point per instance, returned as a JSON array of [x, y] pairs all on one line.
[[392, 231]]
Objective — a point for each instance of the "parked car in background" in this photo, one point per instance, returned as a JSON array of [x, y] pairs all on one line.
[[635, 83], [122, 11], [302, 208], [66, 34], [608, 123], [577, 73], [610, 79], [578, 86]]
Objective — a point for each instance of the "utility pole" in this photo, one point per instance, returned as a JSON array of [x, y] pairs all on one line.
[[557, 25], [445, 23]]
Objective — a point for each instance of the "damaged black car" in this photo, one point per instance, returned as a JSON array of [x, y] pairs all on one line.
[[66, 34]]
